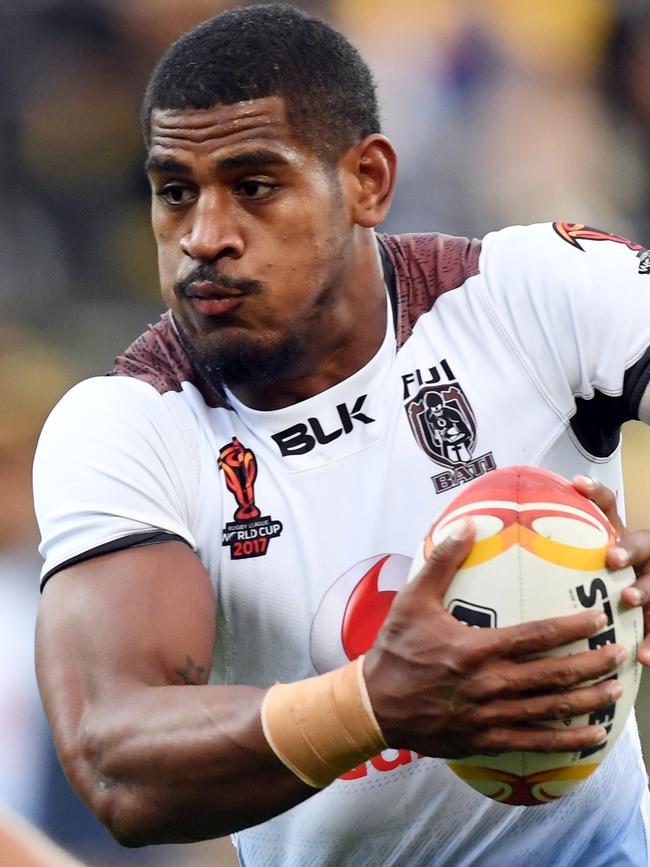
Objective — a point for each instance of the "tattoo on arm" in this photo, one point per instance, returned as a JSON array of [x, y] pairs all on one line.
[[191, 673], [103, 783]]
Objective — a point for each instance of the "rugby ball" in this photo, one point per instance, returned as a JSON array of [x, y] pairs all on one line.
[[539, 552]]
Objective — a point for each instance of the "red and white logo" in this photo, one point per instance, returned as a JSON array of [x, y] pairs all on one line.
[[354, 608], [347, 621]]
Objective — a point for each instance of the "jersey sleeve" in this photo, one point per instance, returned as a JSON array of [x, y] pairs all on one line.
[[574, 304], [114, 467]]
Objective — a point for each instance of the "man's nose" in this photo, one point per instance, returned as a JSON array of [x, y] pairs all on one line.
[[214, 231]]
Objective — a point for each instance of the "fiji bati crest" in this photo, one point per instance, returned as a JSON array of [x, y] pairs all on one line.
[[443, 423], [444, 426]]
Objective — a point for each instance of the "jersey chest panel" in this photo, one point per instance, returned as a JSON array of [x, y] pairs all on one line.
[[311, 542]]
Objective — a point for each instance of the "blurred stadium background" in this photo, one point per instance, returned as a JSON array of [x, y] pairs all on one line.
[[502, 112]]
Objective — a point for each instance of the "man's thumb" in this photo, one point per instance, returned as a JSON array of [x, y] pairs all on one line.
[[447, 557]]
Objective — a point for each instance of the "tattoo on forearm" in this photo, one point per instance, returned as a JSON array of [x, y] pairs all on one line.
[[191, 673], [103, 782]]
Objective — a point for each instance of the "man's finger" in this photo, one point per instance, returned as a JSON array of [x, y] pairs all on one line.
[[557, 706], [540, 740], [603, 497], [446, 559], [644, 651], [546, 674], [637, 594], [537, 636], [633, 549]]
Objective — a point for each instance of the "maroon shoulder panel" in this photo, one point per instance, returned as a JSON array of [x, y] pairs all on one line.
[[159, 358], [426, 266]]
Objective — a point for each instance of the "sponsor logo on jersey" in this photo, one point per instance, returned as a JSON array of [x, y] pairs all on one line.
[[353, 609], [250, 534], [345, 625], [301, 438], [348, 619], [386, 761], [444, 427], [573, 233]]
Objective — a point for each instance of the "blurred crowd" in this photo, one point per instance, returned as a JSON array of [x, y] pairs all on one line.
[[502, 112]]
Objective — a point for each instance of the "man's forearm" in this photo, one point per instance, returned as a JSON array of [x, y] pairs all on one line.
[[171, 764]]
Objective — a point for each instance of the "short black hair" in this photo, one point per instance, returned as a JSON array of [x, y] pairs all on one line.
[[257, 51]]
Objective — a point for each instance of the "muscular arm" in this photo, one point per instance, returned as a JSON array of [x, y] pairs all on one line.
[[124, 648], [124, 645]]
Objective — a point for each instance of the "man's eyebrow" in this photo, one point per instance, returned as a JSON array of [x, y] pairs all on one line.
[[165, 165], [251, 159]]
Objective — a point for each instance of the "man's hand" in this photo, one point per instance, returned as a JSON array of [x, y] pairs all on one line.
[[444, 689], [632, 548]]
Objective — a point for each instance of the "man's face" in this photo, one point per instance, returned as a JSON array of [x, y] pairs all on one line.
[[253, 237]]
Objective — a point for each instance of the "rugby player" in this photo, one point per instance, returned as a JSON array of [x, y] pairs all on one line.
[[227, 519]]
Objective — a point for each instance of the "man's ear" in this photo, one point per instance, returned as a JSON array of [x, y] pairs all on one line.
[[369, 169]]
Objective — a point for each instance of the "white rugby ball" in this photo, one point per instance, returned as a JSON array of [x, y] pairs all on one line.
[[539, 552]]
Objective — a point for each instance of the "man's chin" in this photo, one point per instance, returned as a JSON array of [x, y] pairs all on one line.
[[244, 362]]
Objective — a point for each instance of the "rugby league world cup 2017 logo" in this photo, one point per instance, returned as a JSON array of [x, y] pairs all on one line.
[[250, 533], [444, 426]]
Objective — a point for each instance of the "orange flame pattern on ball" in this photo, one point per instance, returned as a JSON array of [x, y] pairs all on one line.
[[516, 502], [510, 505]]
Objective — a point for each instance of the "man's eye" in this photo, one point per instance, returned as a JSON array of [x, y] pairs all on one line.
[[175, 194], [254, 189]]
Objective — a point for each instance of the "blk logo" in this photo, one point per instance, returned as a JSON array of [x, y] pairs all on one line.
[[301, 438]]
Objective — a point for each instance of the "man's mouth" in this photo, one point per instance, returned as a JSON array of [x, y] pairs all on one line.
[[211, 299]]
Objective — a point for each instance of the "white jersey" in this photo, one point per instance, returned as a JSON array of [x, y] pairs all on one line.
[[306, 517]]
